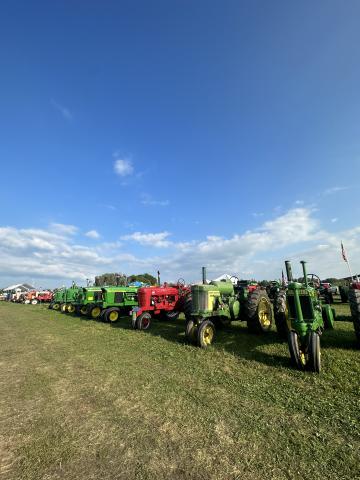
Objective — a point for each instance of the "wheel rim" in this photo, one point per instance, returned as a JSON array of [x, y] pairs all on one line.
[[208, 334], [113, 316], [83, 310], [71, 309], [56, 307], [145, 322], [264, 313], [95, 312]]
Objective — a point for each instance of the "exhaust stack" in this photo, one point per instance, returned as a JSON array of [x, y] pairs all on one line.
[[288, 271], [303, 264], [204, 275]]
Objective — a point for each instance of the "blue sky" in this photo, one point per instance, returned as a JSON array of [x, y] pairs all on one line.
[[171, 134]]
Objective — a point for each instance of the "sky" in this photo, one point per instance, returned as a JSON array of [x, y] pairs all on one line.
[[138, 136]]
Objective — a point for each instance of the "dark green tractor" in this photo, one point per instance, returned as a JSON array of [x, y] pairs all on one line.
[[69, 297], [114, 302], [85, 299], [307, 319], [221, 302], [58, 299]]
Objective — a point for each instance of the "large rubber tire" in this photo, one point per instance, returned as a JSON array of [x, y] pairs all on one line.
[[344, 294], [354, 300], [280, 314], [56, 306], [50, 306], [34, 301], [314, 354], [111, 315], [63, 308], [205, 334], [191, 331], [71, 308], [328, 297], [143, 321], [258, 311], [187, 308], [84, 310], [94, 312], [297, 352]]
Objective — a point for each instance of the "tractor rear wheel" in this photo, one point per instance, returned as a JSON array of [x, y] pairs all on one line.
[[191, 331], [280, 314], [143, 321], [354, 300], [187, 308], [297, 352], [111, 315], [94, 312], [63, 307], [71, 308], [314, 354], [259, 315], [205, 334]]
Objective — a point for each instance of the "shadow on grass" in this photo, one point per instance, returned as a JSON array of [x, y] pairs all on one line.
[[344, 339]]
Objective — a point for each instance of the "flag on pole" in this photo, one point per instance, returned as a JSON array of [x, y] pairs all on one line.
[[343, 253]]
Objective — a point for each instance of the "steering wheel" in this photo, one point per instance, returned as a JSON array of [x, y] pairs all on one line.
[[312, 276], [181, 282]]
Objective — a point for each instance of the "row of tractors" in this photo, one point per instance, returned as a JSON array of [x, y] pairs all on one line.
[[32, 297], [297, 309]]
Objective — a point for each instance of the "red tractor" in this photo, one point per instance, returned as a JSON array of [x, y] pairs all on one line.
[[354, 300], [167, 301], [45, 297]]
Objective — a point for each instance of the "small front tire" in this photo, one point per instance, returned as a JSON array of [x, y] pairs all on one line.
[[205, 334]]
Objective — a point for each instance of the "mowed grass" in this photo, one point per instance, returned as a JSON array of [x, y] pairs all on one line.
[[85, 400]]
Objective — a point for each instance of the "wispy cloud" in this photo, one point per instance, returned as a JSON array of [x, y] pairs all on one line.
[[148, 200], [336, 189], [64, 229], [334, 220], [122, 166], [93, 234], [150, 239], [65, 112]]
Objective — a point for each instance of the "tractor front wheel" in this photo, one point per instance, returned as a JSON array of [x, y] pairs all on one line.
[[191, 331], [63, 308], [111, 315], [297, 352], [143, 321], [314, 354], [83, 310], [205, 334], [71, 309], [56, 306], [95, 312], [280, 314], [259, 314]]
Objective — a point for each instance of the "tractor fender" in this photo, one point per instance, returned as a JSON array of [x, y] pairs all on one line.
[[328, 315]]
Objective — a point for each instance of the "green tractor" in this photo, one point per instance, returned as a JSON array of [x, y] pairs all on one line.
[[86, 299], [69, 298], [115, 301], [221, 302], [58, 299], [307, 319]]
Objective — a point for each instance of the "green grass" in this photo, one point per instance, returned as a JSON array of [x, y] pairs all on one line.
[[82, 400]]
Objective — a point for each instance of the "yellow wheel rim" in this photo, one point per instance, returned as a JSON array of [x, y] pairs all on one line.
[[83, 310], [302, 358], [113, 316], [208, 335], [63, 308], [95, 312], [56, 306], [264, 313], [71, 309]]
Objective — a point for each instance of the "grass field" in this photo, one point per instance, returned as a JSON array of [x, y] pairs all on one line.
[[82, 400]]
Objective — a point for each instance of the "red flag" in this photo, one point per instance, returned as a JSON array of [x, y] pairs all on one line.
[[343, 252]]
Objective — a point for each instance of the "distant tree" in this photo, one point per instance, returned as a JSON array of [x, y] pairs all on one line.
[[143, 277], [111, 279]]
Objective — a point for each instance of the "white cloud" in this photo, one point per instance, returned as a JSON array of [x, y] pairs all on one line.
[[123, 167], [148, 200], [150, 239], [334, 220], [65, 112], [92, 234], [64, 229], [336, 189], [46, 254]]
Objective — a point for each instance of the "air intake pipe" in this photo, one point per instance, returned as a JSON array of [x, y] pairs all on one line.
[[288, 271], [204, 275]]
